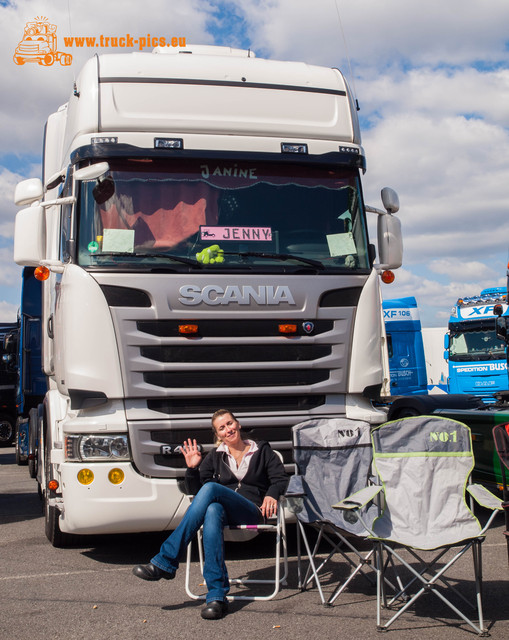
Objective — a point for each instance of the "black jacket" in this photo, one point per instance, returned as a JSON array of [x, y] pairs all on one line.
[[265, 475]]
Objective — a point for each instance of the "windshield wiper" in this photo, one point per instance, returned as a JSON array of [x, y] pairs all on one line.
[[166, 256], [278, 256]]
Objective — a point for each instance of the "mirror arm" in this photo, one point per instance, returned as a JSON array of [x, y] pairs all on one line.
[[51, 203], [53, 265], [375, 210]]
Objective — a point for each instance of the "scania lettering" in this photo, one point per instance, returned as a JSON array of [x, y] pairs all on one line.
[[201, 227], [477, 360], [215, 294]]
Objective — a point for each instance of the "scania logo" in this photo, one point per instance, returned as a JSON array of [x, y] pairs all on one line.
[[214, 294], [308, 327]]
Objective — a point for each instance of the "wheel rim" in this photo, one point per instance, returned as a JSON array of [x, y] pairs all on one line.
[[5, 431]]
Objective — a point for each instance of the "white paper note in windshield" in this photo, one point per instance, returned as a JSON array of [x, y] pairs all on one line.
[[341, 244], [118, 240]]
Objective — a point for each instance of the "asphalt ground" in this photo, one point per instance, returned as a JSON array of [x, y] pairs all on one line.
[[88, 591]]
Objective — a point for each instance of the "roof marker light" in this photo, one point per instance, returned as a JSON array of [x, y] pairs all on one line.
[[168, 143], [292, 147], [105, 140]]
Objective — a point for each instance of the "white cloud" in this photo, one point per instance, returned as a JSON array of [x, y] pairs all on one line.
[[8, 312], [463, 270], [8, 181], [380, 34]]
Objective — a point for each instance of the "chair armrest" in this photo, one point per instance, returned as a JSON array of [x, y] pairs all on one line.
[[295, 488], [359, 499], [484, 497]]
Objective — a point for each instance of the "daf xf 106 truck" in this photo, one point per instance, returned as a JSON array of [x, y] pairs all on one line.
[[202, 231], [477, 359], [407, 362]]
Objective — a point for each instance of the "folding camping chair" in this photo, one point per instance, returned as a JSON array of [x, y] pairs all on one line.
[[244, 533], [333, 459], [423, 465], [501, 439]]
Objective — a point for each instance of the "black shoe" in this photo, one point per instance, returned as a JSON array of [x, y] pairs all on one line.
[[151, 572], [214, 610]]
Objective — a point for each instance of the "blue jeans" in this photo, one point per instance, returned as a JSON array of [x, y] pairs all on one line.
[[214, 507]]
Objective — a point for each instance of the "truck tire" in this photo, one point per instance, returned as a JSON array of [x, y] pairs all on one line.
[[7, 431], [21, 458], [33, 428], [52, 514]]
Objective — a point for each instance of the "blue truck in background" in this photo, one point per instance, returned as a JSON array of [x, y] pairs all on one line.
[[477, 359], [31, 383], [8, 378], [405, 347]]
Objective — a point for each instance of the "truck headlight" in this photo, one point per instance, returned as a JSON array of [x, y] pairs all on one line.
[[97, 448]]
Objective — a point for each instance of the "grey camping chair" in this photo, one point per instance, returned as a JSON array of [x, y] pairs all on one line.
[[424, 465], [333, 459]]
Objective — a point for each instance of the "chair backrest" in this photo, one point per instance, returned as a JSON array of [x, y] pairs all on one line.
[[424, 464], [333, 457]]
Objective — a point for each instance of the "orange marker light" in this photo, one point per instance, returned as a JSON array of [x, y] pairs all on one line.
[[388, 277], [53, 485], [287, 328], [188, 329], [41, 273]]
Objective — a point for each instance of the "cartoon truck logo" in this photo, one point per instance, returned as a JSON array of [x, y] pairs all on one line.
[[39, 44]]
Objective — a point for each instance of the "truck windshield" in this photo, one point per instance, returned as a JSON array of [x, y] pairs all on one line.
[[476, 346], [226, 215]]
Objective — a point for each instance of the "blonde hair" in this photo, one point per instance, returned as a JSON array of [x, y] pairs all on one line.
[[218, 414]]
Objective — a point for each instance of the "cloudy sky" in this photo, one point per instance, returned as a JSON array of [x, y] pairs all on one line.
[[431, 78]]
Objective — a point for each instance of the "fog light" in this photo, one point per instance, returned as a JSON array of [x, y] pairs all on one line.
[[116, 476], [85, 476]]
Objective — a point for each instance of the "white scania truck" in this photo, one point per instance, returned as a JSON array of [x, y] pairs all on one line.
[[201, 228]]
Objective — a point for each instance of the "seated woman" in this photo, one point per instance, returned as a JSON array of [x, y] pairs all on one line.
[[237, 483]]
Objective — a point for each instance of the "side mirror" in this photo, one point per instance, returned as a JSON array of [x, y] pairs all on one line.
[[501, 327], [104, 188], [447, 342], [28, 191], [30, 237], [390, 200], [92, 172], [390, 243]]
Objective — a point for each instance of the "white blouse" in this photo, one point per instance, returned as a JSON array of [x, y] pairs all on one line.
[[239, 471]]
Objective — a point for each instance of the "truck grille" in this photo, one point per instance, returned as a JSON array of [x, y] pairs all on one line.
[[238, 404], [222, 379]]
